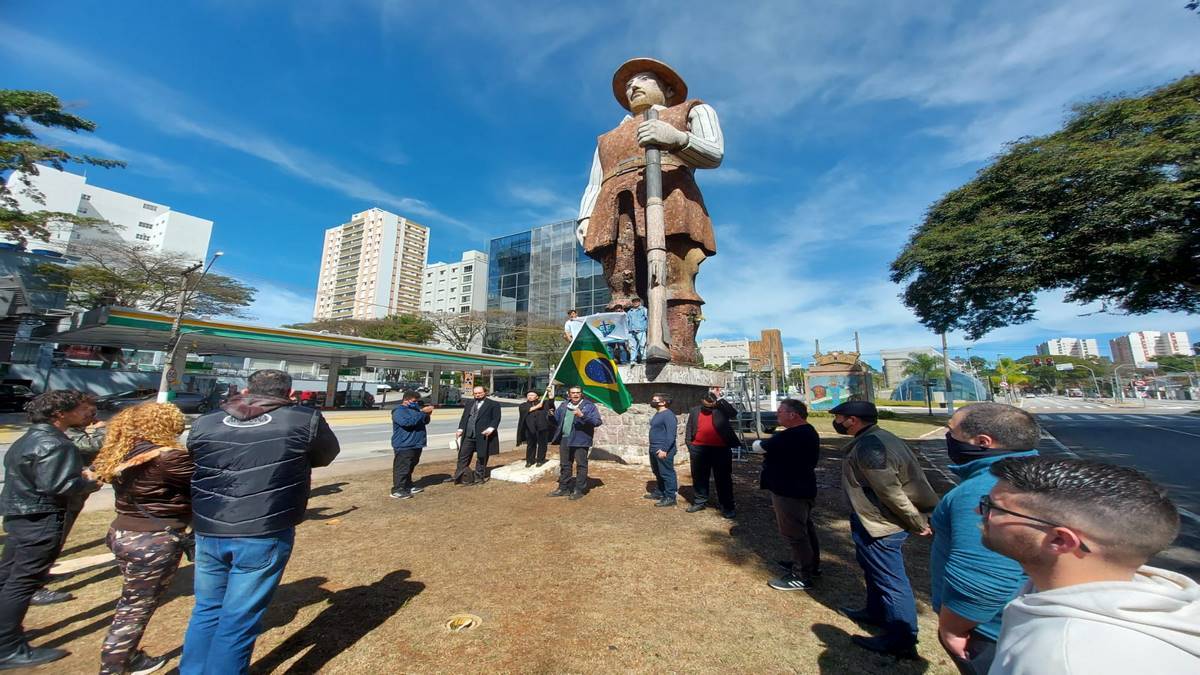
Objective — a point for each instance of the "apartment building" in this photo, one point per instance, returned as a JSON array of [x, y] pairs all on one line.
[[371, 267], [1139, 347], [458, 287], [152, 225], [1069, 346]]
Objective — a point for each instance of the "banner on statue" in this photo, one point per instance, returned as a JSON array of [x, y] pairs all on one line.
[[610, 326]]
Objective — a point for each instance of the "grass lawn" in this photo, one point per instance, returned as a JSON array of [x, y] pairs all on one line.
[[605, 584]]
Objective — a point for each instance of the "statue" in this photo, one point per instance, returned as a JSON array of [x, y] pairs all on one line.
[[642, 216]]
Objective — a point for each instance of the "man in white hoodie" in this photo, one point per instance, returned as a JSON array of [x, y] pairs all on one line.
[[1083, 532]]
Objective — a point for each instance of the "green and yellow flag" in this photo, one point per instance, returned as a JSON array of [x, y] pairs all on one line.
[[587, 365]]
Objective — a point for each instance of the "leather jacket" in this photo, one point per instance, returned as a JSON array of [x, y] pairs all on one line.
[[159, 481], [42, 472]]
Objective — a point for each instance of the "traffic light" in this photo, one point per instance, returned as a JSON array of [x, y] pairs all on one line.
[[1049, 362], [1037, 362]]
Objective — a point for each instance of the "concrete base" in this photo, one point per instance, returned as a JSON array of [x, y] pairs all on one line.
[[623, 438], [517, 472]]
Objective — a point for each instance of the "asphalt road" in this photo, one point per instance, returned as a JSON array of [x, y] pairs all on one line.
[[1164, 444], [368, 440]]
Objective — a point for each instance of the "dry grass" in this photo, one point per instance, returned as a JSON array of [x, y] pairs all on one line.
[[605, 584]]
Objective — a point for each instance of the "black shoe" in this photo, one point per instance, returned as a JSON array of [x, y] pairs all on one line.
[[859, 616], [882, 645], [416, 490], [541, 462], [665, 502], [401, 494], [141, 663], [450, 480], [559, 493], [575, 496], [790, 582], [696, 507], [26, 656], [788, 565], [653, 495], [45, 596], [728, 514], [528, 464]]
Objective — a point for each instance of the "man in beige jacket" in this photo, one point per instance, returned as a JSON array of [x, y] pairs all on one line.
[[890, 498]]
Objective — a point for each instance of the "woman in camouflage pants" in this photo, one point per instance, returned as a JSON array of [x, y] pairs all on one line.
[[151, 476]]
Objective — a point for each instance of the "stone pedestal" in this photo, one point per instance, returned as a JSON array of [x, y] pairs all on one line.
[[624, 438]]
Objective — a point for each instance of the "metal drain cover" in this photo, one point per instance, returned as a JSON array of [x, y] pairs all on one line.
[[462, 622]]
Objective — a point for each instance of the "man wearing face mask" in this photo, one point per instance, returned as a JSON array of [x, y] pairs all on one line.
[[889, 497], [663, 427], [970, 583]]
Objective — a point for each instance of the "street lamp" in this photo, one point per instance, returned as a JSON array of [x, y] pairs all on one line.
[[168, 372]]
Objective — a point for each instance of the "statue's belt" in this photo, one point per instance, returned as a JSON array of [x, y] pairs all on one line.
[[632, 164]]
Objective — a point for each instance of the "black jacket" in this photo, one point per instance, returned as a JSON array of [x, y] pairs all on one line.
[[539, 421], [489, 416], [721, 422], [789, 467], [42, 472], [254, 461]]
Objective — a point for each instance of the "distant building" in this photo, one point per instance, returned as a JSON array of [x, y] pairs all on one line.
[[371, 267], [767, 353], [718, 352], [152, 225], [1140, 347], [544, 271], [458, 287], [894, 361], [1069, 346]]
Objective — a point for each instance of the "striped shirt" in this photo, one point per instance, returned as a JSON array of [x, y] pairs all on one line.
[[704, 150]]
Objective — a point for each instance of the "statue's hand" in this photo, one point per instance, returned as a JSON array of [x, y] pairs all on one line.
[[581, 230], [658, 132]]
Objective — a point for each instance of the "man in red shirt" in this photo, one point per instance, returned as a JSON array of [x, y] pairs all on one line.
[[710, 438]]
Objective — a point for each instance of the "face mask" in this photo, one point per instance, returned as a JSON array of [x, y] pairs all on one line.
[[961, 453], [840, 428]]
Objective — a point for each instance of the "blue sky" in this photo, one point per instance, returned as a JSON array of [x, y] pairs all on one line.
[[843, 122]]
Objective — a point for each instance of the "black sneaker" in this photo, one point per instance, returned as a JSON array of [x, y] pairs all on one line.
[[665, 502], [788, 564], [559, 493], [402, 494], [652, 495], [416, 490], [528, 464], [882, 645], [728, 514], [45, 596], [541, 462], [790, 582], [696, 507], [141, 664], [575, 496], [26, 656]]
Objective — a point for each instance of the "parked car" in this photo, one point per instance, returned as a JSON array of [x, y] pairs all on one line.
[[13, 397], [187, 401]]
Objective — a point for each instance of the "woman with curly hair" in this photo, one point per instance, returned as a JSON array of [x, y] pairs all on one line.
[[151, 474]]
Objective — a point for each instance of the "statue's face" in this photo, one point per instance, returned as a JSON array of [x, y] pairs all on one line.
[[645, 90]]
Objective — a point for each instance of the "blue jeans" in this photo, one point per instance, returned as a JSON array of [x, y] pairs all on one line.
[[664, 474], [890, 598], [637, 345], [235, 579]]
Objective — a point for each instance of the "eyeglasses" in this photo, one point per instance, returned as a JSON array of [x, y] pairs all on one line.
[[986, 506]]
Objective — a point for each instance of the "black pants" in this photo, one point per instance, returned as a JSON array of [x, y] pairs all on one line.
[[579, 456], [466, 448], [793, 515], [535, 445], [718, 461], [32, 545], [404, 460]]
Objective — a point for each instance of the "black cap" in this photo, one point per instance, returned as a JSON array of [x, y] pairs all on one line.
[[856, 409]]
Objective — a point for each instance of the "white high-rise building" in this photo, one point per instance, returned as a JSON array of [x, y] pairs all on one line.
[[1139, 347], [371, 267], [458, 287], [1083, 348], [150, 224]]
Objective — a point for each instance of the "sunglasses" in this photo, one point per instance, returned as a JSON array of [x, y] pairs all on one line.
[[986, 506]]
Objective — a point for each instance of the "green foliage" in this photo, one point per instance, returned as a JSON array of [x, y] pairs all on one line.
[[1168, 364], [1108, 208], [922, 366], [20, 152], [406, 328]]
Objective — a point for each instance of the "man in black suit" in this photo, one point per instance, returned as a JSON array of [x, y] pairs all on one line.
[[477, 434], [534, 426]]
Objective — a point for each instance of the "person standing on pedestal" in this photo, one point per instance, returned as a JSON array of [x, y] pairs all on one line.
[[408, 441], [710, 439], [576, 421], [533, 427], [635, 323], [477, 435], [663, 428], [572, 325]]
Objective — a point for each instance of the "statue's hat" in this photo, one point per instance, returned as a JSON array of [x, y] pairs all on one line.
[[647, 65]]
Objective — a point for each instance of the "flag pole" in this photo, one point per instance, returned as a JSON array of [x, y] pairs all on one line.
[[561, 359]]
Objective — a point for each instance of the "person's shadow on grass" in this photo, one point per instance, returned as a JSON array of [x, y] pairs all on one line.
[[351, 614], [843, 656]]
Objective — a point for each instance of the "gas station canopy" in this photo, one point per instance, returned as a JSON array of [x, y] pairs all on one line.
[[134, 328]]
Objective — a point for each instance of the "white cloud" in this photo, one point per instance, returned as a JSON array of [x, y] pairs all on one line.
[[144, 163], [275, 305]]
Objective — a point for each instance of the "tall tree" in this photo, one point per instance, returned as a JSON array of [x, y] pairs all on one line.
[[462, 331], [406, 328], [1108, 209], [115, 272], [21, 152], [922, 366]]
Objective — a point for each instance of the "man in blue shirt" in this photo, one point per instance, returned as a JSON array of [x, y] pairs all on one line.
[[664, 427], [635, 323], [970, 583], [408, 440]]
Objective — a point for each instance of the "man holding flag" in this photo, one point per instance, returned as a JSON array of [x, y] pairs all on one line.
[[576, 419]]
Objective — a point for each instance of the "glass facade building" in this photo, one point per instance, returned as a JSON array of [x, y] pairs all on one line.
[[544, 272]]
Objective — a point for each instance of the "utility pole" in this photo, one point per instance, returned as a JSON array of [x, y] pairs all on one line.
[[169, 376], [946, 371]]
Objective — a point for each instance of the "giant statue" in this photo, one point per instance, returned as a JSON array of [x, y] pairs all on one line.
[[642, 215]]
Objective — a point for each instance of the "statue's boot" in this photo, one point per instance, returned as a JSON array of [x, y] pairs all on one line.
[[683, 320]]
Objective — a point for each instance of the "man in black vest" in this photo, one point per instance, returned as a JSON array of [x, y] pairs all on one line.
[[477, 435], [254, 461]]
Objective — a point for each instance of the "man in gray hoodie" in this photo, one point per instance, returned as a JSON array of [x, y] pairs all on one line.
[[1083, 531]]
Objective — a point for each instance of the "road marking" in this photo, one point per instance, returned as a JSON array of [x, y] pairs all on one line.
[[1174, 431], [1047, 436]]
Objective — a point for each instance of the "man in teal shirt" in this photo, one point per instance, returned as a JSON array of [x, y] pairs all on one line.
[[970, 583]]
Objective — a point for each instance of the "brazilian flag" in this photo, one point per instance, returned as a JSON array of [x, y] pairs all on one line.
[[588, 366]]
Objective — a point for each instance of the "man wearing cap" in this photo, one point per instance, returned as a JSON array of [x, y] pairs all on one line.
[[889, 499], [612, 213]]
